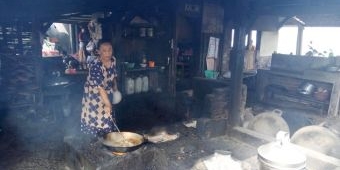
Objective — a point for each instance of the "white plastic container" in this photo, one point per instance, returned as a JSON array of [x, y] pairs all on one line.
[[145, 84], [129, 86], [281, 155], [138, 84], [117, 97]]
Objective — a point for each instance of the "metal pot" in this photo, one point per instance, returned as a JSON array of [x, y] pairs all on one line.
[[269, 123], [281, 155], [318, 138], [306, 88], [123, 141]]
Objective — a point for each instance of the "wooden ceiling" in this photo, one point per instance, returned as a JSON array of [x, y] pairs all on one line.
[[295, 7], [47, 9], [313, 12], [310, 12]]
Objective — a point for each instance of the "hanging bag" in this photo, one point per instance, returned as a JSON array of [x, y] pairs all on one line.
[[90, 46]]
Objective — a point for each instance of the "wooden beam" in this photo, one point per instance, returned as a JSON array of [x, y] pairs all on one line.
[[294, 10], [173, 59], [55, 9], [36, 45], [74, 20], [282, 23], [299, 20], [241, 22], [299, 40]]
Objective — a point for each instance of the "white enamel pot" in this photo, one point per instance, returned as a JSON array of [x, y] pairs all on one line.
[[116, 97]]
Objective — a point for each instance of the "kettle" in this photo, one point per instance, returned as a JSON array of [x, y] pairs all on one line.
[[306, 88]]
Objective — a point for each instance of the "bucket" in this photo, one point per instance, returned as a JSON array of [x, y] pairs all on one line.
[[210, 74], [151, 64], [281, 155]]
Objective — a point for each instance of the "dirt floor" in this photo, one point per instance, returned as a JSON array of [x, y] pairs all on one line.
[[33, 140], [38, 142], [37, 146], [187, 152]]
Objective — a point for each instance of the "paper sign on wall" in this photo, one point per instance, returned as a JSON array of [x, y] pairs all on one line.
[[212, 53], [211, 64], [213, 47]]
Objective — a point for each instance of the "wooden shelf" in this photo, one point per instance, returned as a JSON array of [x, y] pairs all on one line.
[[132, 31], [295, 96], [322, 109], [143, 69], [154, 75], [137, 38], [141, 94], [182, 64], [278, 95], [288, 96]]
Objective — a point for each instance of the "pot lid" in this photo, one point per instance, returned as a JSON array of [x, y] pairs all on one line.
[[281, 155], [268, 123]]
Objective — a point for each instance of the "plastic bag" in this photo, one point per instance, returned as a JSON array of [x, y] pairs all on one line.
[[90, 46]]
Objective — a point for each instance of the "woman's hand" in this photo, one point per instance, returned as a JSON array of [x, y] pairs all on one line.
[[108, 108]]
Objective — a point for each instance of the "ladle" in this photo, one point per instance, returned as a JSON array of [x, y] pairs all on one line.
[[114, 123]]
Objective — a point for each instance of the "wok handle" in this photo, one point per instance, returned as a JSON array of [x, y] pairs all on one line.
[[145, 138]]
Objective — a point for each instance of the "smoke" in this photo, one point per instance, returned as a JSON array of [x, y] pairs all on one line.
[[34, 136]]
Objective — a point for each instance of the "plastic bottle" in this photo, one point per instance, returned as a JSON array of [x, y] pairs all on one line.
[[144, 59], [129, 86], [138, 84], [145, 84]]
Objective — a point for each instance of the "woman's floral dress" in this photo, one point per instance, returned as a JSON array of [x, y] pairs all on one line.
[[93, 118]]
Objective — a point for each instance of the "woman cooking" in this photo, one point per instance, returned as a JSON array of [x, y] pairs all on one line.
[[96, 116]]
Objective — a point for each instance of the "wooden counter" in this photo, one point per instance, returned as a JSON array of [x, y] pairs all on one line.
[[78, 72], [291, 80]]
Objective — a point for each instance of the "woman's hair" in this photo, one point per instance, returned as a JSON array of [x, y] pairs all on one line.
[[104, 41]]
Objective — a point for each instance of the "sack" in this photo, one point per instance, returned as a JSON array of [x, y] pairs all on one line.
[[90, 46]]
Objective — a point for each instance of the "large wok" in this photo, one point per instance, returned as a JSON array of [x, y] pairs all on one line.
[[123, 141]]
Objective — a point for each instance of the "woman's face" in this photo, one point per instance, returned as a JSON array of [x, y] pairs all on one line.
[[105, 51]]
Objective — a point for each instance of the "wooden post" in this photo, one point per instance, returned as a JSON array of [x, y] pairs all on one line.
[[236, 63], [73, 38], [173, 59], [299, 40], [36, 44], [19, 26]]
